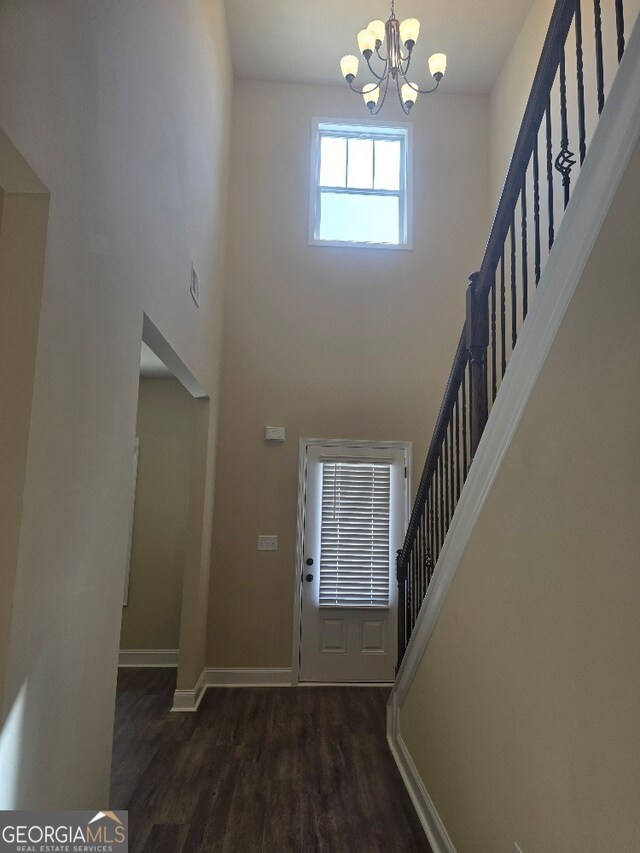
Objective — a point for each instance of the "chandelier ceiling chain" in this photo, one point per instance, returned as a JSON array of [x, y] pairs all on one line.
[[395, 64]]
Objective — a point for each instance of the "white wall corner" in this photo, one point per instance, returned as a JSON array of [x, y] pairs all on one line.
[[148, 657], [422, 802], [189, 700]]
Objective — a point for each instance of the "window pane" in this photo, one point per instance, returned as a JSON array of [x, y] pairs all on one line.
[[387, 175], [359, 218], [360, 172], [333, 161]]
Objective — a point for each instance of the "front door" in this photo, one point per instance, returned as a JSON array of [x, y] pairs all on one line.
[[355, 511]]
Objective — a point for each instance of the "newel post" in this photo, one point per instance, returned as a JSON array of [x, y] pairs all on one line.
[[477, 326]]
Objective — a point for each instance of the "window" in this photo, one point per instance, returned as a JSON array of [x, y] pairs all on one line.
[[359, 195], [354, 534]]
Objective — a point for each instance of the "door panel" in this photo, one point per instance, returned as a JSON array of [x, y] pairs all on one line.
[[359, 494]]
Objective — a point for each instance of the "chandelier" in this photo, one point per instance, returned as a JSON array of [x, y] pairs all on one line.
[[395, 64]]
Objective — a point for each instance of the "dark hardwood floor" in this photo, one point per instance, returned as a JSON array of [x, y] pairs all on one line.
[[258, 770]]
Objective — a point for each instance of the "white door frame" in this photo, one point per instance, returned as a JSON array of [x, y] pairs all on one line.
[[305, 444]]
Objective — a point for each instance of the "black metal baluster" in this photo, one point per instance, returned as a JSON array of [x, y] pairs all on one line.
[[429, 528], [452, 469], [597, 15], [465, 467], [580, 75], [470, 389], [525, 257], [536, 213], [494, 344], [565, 160], [514, 298], [412, 596], [503, 317], [445, 452], [620, 27], [423, 554], [550, 172], [436, 505], [442, 503], [457, 416]]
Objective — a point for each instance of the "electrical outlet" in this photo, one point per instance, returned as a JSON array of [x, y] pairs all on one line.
[[194, 287], [516, 848], [267, 543]]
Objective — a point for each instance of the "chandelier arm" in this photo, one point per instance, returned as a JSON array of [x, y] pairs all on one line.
[[362, 91], [406, 68], [376, 75], [404, 109], [384, 95], [420, 91], [379, 55]]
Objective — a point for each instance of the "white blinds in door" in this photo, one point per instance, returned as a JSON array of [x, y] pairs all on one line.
[[354, 535]]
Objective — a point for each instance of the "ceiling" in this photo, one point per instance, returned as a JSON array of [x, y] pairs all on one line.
[[303, 41]]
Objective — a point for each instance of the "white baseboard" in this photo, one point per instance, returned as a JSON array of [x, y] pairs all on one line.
[[148, 657], [189, 700], [224, 677], [422, 802]]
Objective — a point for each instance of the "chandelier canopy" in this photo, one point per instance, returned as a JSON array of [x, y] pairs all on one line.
[[395, 64]]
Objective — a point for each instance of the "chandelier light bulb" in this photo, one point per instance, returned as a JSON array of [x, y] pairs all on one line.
[[371, 93], [409, 96], [366, 42], [409, 31], [438, 65], [377, 28], [349, 66]]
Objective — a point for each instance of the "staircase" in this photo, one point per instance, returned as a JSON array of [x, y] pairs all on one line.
[[558, 128]]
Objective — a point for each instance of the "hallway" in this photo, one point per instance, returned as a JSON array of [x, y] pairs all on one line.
[[258, 770]]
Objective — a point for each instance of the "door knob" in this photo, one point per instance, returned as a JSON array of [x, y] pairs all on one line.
[[309, 561], [308, 578]]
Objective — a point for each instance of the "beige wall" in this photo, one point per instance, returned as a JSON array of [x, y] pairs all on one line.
[[24, 204], [332, 343], [122, 110], [523, 716], [151, 620]]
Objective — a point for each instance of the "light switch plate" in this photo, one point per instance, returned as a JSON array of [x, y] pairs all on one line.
[[274, 433], [267, 543]]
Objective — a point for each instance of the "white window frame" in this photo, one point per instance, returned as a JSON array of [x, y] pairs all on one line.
[[344, 127]]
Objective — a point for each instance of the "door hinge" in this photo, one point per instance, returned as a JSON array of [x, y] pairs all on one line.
[[405, 472]]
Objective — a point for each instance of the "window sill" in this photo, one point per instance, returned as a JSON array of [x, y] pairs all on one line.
[[344, 244]]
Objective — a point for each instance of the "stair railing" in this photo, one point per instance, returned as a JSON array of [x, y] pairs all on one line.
[[536, 192]]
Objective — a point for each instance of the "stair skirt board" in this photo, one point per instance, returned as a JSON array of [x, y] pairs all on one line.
[[148, 657]]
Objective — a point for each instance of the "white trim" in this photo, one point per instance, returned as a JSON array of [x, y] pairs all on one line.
[[189, 700], [305, 443], [224, 677], [613, 142], [427, 814], [148, 657]]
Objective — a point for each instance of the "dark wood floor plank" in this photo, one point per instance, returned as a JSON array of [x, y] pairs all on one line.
[[259, 770]]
